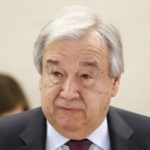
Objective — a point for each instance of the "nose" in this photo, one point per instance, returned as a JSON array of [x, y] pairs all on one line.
[[70, 89]]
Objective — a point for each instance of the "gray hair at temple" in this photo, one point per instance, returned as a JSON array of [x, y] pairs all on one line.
[[75, 22]]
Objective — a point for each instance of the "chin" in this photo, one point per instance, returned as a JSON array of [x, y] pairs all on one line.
[[69, 125], [72, 130]]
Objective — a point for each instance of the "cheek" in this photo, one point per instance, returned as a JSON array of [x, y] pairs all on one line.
[[104, 97], [49, 92], [97, 104], [97, 97]]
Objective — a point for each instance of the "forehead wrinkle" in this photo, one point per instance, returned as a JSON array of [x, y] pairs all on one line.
[[64, 47], [89, 63], [99, 51], [69, 50]]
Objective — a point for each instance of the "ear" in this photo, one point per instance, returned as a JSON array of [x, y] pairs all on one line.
[[115, 86], [40, 83]]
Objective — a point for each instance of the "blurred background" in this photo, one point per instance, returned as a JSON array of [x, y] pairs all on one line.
[[21, 21]]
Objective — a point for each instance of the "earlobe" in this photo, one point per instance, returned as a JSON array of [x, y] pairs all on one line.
[[115, 86], [40, 83]]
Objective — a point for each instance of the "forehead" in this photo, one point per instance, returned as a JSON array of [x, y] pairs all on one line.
[[87, 48]]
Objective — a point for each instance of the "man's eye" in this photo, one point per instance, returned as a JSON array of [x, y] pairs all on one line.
[[86, 76], [57, 74]]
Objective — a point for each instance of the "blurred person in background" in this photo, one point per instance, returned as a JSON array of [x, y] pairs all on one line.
[[12, 97]]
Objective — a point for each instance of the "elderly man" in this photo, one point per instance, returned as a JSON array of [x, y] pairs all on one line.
[[79, 57]]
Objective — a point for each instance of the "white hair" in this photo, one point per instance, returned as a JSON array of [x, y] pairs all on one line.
[[74, 23]]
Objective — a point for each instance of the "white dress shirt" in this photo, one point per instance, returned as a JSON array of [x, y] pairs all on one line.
[[99, 137]]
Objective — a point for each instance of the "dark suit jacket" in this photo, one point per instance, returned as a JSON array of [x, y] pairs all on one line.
[[27, 131]]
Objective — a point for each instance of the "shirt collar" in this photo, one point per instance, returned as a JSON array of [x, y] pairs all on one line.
[[53, 139], [99, 137]]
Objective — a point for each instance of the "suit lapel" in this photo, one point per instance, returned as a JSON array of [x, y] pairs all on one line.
[[120, 133], [30, 146], [34, 135]]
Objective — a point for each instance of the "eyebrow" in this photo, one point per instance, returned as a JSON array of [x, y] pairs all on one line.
[[89, 63], [53, 62]]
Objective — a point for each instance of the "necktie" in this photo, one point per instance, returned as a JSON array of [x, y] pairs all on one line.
[[79, 145]]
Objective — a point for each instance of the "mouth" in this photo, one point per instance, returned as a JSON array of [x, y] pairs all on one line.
[[69, 109]]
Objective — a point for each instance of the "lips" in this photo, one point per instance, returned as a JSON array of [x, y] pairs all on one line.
[[69, 108]]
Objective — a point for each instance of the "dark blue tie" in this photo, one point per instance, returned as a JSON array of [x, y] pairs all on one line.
[[79, 145]]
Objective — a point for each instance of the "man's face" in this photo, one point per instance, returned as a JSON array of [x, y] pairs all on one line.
[[75, 86]]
